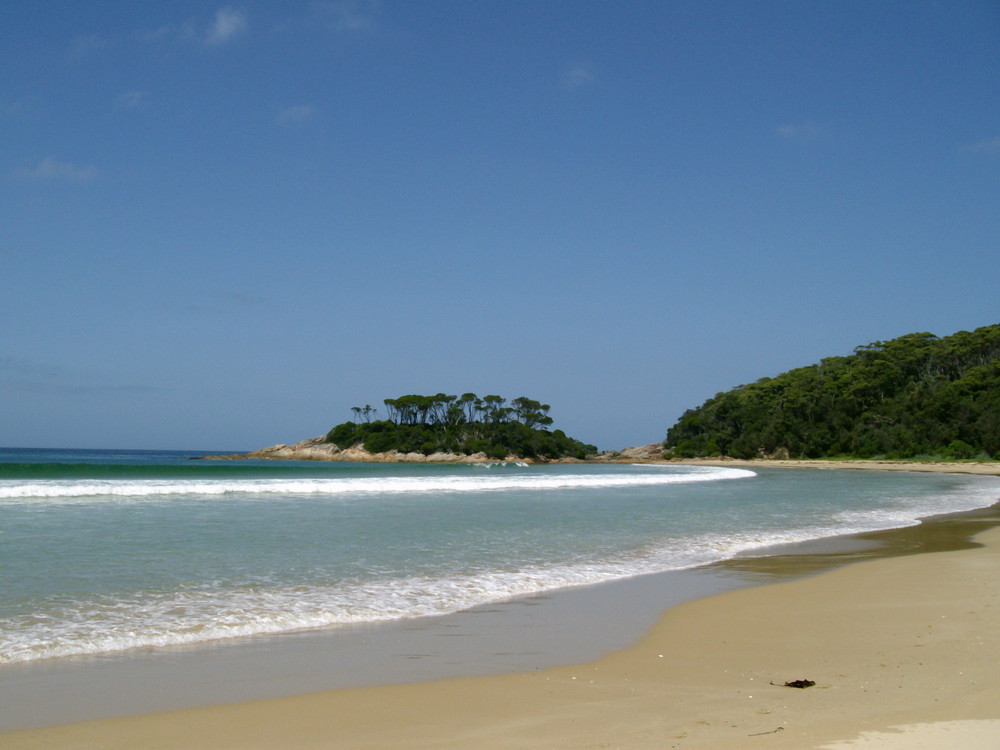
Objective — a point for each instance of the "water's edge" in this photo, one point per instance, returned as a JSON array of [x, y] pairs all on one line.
[[562, 627]]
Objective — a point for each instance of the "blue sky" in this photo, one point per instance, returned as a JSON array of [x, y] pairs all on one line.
[[223, 225]]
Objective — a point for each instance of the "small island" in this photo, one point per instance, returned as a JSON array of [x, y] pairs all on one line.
[[441, 429]]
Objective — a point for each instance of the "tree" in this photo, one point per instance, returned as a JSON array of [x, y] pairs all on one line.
[[912, 395], [466, 424]]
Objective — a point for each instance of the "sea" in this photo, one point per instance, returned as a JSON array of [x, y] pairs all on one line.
[[125, 551]]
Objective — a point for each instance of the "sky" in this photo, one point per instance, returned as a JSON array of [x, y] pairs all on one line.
[[224, 225]]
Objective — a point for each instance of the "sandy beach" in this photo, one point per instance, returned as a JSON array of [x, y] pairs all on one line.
[[902, 652], [862, 464]]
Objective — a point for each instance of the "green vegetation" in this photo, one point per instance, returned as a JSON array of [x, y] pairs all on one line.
[[459, 424], [918, 395]]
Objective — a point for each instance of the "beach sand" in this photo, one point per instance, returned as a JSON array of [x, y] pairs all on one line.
[[948, 467], [903, 652]]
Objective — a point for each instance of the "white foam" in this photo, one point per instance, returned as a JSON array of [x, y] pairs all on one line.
[[199, 615], [202, 615], [54, 489]]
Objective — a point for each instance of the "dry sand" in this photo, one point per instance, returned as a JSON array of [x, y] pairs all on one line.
[[903, 651]]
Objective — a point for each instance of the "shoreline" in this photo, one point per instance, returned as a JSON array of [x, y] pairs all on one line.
[[988, 468], [317, 449], [387, 716], [900, 642]]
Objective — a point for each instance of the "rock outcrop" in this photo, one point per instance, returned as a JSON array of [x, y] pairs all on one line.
[[635, 454], [317, 449]]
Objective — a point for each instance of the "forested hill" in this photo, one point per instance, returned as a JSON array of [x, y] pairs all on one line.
[[912, 396], [464, 424]]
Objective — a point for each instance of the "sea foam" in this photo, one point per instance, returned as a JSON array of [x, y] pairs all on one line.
[[443, 557], [47, 489], [201, 614]]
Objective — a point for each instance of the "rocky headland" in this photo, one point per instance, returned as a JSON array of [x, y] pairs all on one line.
[[317, 449]]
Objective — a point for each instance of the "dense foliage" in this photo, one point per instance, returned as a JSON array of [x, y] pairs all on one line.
[[452, 424], [912, 396]]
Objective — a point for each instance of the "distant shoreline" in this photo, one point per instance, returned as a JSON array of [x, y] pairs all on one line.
[[317, 449], [991, 468]]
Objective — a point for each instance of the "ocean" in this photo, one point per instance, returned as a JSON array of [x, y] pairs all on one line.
[[118, 552]]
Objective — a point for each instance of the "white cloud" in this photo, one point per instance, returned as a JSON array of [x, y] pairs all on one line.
[[130, 99], [347, 15], [799, 131], [229, 23], [186, 31], [577, 76], [51, 169], [986, 146], [298, 113]]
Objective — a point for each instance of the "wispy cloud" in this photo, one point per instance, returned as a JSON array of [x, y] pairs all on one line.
[[78, 389], [347, 15], [229, 23], [186, 31], [295, 114], [130, 99], [799, 131], [51, 169], [577, 77], [227, 303], [986, 146], [18, 375], [17, 367]]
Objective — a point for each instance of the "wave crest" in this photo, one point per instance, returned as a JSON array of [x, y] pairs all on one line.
[[55, 490]]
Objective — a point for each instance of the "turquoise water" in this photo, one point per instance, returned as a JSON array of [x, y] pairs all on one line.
[[106, 551]]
